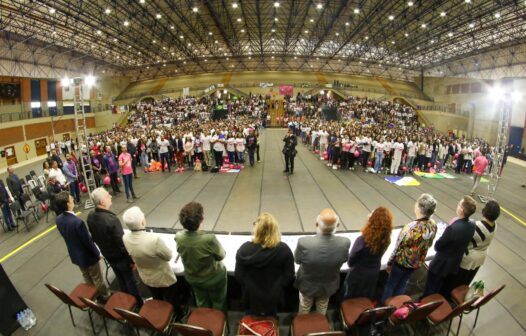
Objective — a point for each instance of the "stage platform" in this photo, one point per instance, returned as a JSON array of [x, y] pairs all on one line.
[[233, 200]]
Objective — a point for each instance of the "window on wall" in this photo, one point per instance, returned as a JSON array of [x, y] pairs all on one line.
[[52, 108], [36, 110], [454, 89], [476, 87], [465, 88]]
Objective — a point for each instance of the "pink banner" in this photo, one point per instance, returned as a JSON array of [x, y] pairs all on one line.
[[286, 90]]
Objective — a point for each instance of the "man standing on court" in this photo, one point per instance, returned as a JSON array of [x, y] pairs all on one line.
[[106, 230], [289, 150], [320, 258], [480, 165]]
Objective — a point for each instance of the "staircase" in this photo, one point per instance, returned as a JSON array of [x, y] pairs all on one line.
[[276, 112]]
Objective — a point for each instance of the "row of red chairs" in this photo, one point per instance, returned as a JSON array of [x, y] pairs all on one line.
[[157, 316], [360, 312]]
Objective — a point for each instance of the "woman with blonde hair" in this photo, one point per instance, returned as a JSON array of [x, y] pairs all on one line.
[[366, 255], [264, 267]]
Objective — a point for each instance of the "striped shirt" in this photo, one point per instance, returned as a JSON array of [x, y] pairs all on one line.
[[477, 249]]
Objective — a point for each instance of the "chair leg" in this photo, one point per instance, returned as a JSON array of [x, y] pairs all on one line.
[[476, 318], [71, 315], [105, 326], [449, 327], [91, 322], [459, 324]]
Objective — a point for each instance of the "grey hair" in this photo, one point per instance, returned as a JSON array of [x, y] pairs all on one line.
[[134, 218], [327, 229], [98, 194], [426, 204]]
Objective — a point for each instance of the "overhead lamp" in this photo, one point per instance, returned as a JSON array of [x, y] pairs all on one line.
[[497, 15], [347, 23], [195, 9], [276, 19], [238, 19], [311, 20], [172, 27], [52, 10], [142, 1], [516, 96], [65, 81], [443, 14], [210, 33], [154, 41], [392, 42], [158, 16], [89, 80], [306, 31], [273, 30], [471, 25], [99, 32], [181, 37], [467, 1], [337, 34], [126, 23], [406, 35], [107, 11], [357, 11], [234, 5], [424, 25], [410, 3], [391, 17], [449, 34], [242, 30], [276, 4], [319, 6]]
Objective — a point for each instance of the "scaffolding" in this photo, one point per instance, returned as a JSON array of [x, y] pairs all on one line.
[[82, 140], [498, 152]]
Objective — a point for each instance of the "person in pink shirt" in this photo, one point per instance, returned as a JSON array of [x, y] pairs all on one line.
[[480, 165], [125, 162]]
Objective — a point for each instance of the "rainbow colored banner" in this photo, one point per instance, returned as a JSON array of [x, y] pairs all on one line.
[[403, 181]]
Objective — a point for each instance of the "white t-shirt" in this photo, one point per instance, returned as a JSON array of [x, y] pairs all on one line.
[[230, 144], [206, 142], [411, 148], [163, 146], [398, 150], [61, 178], [240, 144]]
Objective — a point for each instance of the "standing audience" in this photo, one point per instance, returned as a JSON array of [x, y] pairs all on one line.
[[202, 254], [410, 252], [264, 267], [366, 255], [450, 248], [320, 258]]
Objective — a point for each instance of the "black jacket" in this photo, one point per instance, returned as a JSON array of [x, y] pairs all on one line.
[[4, 196], [290, 144], [106, 230], [451, 246], [263, 274], [15, 186]]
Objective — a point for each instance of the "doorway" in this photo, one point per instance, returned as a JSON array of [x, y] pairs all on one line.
[[40, 146], [10, 155]]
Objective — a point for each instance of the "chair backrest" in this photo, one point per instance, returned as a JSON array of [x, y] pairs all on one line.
[[99, 309], [61, 295], [36, 191], [423, 311], [483, 300], [460, 309], [190, 330], [25, 198], [28, 178], [135, 319], [374, 315]]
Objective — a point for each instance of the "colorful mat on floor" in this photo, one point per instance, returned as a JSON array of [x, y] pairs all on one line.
[[435, 175], [406, 181]]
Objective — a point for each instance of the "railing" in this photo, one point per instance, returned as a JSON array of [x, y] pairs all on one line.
[[443, 108], [306, 85], [44, 112]]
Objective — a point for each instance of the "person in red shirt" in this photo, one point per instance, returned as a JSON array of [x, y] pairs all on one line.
[[480, 165]]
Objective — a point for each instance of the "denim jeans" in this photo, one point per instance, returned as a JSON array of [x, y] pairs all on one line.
[[165, 159], [397, 281], [128, 185], [8, 217], [74, 190], [378, 161]]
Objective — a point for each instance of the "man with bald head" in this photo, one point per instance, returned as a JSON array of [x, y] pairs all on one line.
[[320, 258]]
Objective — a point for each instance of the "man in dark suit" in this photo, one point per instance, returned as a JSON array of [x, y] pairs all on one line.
[[81, 248], [106, 229], [320, 258], [15, 186], [451, 246]]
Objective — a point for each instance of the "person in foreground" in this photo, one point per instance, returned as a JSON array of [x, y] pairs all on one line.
[[81, 248], [264, 267], [366, 255], [106, 230], [475, 254], [152, 257], [202, 254], [410, 252], [450, 248], [320, 258]]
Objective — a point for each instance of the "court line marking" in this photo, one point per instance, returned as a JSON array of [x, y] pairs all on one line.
[[29, 242], [512, 215]]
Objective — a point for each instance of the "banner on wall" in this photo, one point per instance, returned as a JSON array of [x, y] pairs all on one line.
[[265, 85], [186, 92], [286, 90]]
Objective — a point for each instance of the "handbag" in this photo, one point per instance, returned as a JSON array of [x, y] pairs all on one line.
[[403, 312], [250, 326], [476, 289]]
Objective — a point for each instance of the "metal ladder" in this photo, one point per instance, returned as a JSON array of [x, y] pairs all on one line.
[[499, 149], [82, 141]]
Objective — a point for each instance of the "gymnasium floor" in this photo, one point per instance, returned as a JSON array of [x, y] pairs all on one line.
[[232, 202]]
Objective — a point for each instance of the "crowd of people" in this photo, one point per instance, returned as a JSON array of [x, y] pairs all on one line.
[[265, 264]]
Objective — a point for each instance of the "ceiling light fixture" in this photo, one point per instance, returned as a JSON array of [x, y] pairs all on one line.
[[410, 3], [497, 15], [126, 23], [172, 27], [391, 17], [107, 11], [142, 1], [158, 16], [234, 5], [276, 4], [424, 25], [443, 14], [195, 9], [238, 19], [52, 10], [357, 11], [319, 6], [347, 23]]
